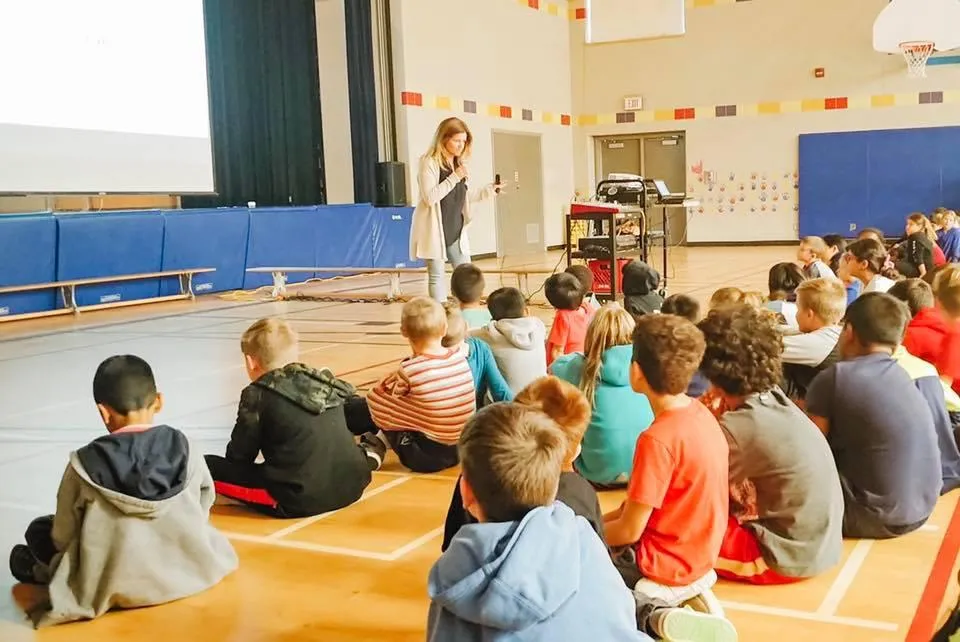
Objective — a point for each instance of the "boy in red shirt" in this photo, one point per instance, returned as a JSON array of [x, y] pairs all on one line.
[[675, 514], [565, 293], [946, 288], [927, 329]]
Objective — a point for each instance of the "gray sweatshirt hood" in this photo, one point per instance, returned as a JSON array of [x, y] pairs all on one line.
[[524, 333]]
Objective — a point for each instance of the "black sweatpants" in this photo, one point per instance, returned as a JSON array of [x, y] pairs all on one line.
[[39, 539], [243, 483], [415, 451]]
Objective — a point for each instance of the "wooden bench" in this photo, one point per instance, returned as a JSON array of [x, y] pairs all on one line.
[[279, 275], [68, 292]]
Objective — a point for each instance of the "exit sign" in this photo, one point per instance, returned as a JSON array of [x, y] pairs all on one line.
[[633, 103]]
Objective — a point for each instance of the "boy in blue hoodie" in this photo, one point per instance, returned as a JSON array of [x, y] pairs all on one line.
[[531, 569]]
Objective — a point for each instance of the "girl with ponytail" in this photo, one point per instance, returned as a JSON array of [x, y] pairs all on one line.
[[619, 415]]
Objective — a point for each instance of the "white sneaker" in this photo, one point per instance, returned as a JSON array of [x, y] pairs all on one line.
[[687, 625]]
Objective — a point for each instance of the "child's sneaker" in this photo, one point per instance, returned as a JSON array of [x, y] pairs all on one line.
[[375, 449], [22, 563], [687, 625]]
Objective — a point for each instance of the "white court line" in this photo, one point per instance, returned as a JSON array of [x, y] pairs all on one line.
[[415, 544], [303, 523], [307, 546], [427, 476], [24, 507], [840, 586], [929, 528], [811, 617], [202, 375]]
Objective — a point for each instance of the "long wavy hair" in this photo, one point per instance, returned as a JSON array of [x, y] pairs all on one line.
[[447, 129], [611, 326]]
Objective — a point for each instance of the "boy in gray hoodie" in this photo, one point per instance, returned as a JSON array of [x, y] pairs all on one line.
[[517, 340], [132, 523]]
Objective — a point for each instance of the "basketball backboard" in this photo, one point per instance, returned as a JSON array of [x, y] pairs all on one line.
[[936, 21]]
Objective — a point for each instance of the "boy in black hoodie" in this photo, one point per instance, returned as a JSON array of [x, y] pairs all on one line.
[[293, 415], [640, 283]]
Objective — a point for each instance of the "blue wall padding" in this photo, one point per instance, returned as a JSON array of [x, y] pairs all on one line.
[[345, 237], [206, 238], [281, 237], [111, 244], [28, 254], [876, 178], [391, 238]]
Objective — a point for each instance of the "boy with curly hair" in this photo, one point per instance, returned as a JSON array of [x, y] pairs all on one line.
[[796, 533], [672, 522]]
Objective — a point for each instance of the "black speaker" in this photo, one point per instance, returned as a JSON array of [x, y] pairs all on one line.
[[391, 184]]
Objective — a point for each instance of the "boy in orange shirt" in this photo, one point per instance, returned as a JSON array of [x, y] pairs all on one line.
[[675, 515], [565, 293]]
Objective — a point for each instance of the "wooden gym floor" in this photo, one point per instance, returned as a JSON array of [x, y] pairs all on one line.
[[360, 574]]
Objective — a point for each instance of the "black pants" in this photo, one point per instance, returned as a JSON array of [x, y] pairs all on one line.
[[415, 451], [39, 541], [39, 538], [857, 523], [243, 483]]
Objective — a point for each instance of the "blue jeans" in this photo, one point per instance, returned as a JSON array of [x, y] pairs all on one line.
[[436, 272]]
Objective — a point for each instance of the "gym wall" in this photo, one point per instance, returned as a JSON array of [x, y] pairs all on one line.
[[499, 64], [334, 100], [746, 69]]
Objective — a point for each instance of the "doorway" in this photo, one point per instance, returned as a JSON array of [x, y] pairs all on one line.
[[662, 156], [518, 161]]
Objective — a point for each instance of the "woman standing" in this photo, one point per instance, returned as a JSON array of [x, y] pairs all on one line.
[[438, 232]]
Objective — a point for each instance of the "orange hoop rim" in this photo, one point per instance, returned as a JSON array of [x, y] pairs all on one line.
[[917, 45]]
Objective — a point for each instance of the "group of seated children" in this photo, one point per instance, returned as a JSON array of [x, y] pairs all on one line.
[[749, 443]]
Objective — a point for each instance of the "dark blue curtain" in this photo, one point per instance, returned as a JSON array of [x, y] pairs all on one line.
[[264, 103], [363, 99]]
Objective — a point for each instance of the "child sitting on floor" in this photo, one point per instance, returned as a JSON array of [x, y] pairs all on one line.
[[796, 532], [820, 307], [517, 340], [487, 378], [782, 282], [685, 306], [916, 250], [421, 408], [530, 567], [294, 415], [867, 261], [878, 425], [563, 403], [640, 283], [132, 522], [585, 275], [725, 296], [467, 285], [949, 238], [673, 520], [946, 289], [602, 372], [565, 293], [813, 254]]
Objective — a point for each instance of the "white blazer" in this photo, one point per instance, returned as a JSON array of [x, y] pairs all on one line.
[[426, 229]]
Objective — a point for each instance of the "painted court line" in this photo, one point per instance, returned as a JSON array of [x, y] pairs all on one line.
[[24, 507], [840, 586], [428, 476], [810, 617], [307, 546], [415, 544], [928, 609], [303, 523]]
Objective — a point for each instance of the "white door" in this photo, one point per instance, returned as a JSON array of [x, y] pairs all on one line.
[[518, 162]]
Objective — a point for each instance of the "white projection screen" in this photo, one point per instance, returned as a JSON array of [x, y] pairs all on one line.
[[104, 96]]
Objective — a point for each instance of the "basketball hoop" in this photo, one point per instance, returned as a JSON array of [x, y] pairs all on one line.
[[916, 54]]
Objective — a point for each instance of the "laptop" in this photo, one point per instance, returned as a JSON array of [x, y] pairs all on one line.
[[666, 196]]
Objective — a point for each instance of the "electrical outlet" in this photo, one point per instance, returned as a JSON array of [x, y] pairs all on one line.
[[853, 227]]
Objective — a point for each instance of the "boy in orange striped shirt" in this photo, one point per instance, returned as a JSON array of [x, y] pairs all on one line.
[[422, 407]]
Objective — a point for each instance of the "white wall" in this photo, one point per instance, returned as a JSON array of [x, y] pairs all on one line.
[[758, 55], [494, 52], [334, 100]]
